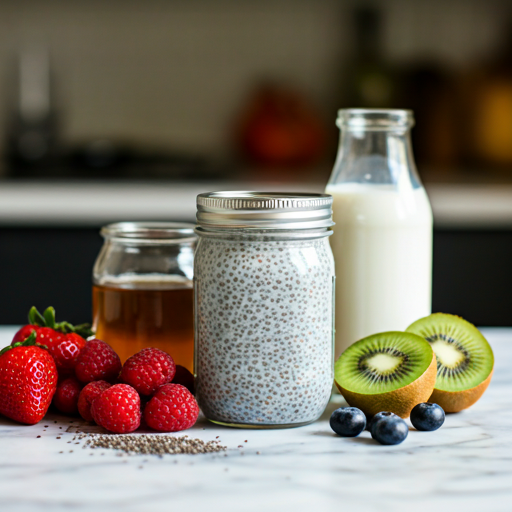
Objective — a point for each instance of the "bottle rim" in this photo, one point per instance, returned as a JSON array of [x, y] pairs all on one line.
[[150, 232], [375, 119]]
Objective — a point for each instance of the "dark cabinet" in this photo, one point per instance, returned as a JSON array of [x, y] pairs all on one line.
[[53, 266]]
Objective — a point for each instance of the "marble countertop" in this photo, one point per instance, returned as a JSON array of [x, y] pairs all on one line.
[[466, 465], [75, 203]]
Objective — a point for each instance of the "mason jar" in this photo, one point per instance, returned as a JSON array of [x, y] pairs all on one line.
[[143, 289], [264, 291]]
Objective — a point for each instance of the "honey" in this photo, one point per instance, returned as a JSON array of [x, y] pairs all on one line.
[[151, 311]]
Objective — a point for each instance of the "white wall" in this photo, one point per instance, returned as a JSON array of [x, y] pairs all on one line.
[[173, 72]]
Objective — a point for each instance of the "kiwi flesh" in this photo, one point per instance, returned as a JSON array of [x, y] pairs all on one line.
[[465, 360], [390, 371]]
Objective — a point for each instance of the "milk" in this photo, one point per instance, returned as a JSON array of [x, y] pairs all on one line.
[[382, 247]]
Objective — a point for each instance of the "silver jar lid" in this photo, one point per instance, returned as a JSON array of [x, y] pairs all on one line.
[[264, 210]]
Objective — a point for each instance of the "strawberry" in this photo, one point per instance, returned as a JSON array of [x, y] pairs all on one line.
[[117, 409], [184, 377], [147, 370], [63, 347], [87, 396], [66, 351], [28, 380], [66, 396], [171, 409], [63, 340], [24, 333], [97, 361]]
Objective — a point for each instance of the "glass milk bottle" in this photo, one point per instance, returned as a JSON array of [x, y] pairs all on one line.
[[382, 240]]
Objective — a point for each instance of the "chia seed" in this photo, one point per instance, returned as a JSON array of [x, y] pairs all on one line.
[[264, 330], [147, 444]]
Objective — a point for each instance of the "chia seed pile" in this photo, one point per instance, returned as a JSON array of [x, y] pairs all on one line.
[[151, 444], [264, 330]]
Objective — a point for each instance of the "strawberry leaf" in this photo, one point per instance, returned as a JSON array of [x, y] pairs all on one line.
[[83, 330], [49, 316], [48, 320], [30, 341], [35, 318]]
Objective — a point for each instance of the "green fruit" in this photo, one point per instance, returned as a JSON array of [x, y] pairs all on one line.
[[390, 371], [465, 360]]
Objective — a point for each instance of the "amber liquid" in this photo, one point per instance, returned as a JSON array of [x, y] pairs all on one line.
[[146, 314]]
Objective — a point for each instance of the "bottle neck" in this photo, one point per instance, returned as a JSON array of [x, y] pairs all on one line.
[[375, 157]]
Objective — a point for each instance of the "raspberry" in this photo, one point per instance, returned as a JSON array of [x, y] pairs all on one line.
[[97, 361], [117, 409], [66, 396], [87, 396], [171, 409], [184, 377], [147, 370]]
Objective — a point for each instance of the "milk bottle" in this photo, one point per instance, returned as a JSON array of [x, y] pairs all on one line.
[[382, 240]]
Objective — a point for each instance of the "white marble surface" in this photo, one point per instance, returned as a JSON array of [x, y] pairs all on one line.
[[466, 465]]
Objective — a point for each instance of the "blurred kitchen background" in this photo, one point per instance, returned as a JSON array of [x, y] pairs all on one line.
[[125, 110]]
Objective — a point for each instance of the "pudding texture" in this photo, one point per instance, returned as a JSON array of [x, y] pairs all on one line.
[[264, 330]]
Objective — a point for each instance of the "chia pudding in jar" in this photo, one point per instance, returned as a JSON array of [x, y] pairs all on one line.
[[264, 284]]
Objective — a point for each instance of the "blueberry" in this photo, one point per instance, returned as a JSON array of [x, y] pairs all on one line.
[[427, 417], [378, 416], [348, 421], [389, 429]]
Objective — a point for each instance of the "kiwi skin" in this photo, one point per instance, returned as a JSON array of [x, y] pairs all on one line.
[[455, 402], [400, 401]]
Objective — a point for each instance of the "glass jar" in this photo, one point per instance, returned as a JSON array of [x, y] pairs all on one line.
[[382, 240], [143, 289], [264, 285]]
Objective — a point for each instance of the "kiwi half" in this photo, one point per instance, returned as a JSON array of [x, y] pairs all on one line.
[[390, 371], [465, 361]]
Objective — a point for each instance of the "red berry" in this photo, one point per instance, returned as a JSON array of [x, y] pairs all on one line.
[[49, 337], [24, 333], [184, 377], [117, 409], [87, 396], [147, 370], [66, 396], [97, 361], [171, 409], [66, 352], [63, 347], [28, 380]]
